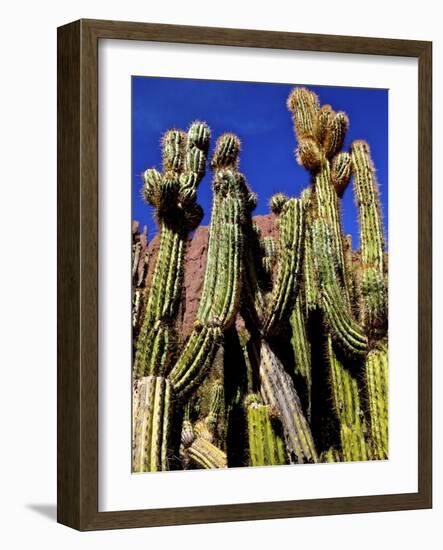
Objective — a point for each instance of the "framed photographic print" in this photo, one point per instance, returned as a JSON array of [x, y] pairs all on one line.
[[244, 275]]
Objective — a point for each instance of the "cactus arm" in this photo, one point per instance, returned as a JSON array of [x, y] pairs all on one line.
[[197, 358], [291, 224], [346, 332], [278, 391], [173, 194], [224, 268], [205, 305], [151, 418], [348, 409], [266, 447], [256, 278], [301, 347], [329, 210], [309, 274], [206, 455], [373, 283], [376, 374]]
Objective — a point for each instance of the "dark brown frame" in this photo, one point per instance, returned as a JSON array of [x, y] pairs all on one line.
[[77, 457]]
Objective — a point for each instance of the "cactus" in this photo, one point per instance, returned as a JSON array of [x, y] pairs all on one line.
[[376, 374], [278, 391], [152, 415], [266, 446], [206, 455], [373, 283], [287, 359], [301, 348], [348, 408], [291, 227], [173, 194], [222, 283]]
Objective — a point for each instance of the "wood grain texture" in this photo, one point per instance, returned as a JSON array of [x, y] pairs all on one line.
[[77, 428], [68, 276]]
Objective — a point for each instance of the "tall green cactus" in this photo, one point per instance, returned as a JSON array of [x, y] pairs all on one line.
[[266, 447], [291, 234], [320, 132], [222, 282], [373, 292], [348, 408], [173, 195], [153, 411], [373, 282], [376, 375]]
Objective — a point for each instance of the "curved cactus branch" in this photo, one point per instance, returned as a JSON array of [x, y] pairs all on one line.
[[266, 447], [223, 276], [206, 455], [278, 391], [173, 194], [290, 257]]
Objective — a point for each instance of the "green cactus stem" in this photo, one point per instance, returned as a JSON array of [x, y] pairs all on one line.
[[173, 194], [345, 330], [278, 391], [351, 274], [376, 375], [301, 347], [372, 278], [320, 133], [311, 285], [216, 405], [270, 254], [152, 412], [291, 236], [205, 454], [195, 359], [256, 278], [266, 447], [348, 409], [223, 276]]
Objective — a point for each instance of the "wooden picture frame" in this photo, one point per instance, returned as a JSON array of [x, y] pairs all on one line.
[[78, 274]]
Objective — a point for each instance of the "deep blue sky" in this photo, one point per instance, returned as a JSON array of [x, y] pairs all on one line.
[[257, 113]]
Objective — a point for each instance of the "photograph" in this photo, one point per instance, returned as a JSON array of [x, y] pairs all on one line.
[[259, 270]]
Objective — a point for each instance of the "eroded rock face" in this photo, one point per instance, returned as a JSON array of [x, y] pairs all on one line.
[[195, 264]]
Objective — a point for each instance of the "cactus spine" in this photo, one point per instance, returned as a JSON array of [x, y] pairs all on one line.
[[373, 284]]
